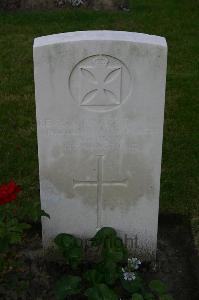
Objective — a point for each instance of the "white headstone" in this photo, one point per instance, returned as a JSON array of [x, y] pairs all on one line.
[[100, 107]]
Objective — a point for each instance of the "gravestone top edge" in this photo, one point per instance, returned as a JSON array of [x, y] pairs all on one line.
[[100, 35]]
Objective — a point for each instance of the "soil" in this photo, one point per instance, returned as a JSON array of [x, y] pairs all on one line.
[[177, 265]]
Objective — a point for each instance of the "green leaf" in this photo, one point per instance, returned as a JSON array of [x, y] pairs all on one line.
[[65, 241], [166, 297], [15, 237], [44, 214], [149, 296], [67, 286], [100, 292], [110, 271], [102, 235], [137, 297], [158, 287], [30, 210], [113, 250], [133, 286], [70, 249], [93, 277], [74, 256]]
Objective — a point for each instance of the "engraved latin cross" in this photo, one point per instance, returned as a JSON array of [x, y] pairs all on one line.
[[99, 183]]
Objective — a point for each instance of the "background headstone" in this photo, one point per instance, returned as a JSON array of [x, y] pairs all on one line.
[[100, 107]]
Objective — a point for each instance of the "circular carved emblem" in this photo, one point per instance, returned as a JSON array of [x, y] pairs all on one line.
[[100, 83]]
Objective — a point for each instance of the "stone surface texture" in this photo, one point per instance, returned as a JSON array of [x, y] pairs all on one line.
[[100, 108]]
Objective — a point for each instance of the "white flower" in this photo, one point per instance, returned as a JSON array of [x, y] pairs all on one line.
[[128, 275], [134, 263]]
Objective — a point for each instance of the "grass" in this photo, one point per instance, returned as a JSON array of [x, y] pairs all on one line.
[[176, 20]]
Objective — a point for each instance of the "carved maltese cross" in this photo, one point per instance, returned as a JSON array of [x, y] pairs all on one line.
[[100, 84]]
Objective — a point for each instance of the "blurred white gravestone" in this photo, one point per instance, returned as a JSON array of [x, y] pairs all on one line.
[[100, 107]]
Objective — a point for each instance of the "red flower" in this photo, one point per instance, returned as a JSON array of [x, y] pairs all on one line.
[[8, 192]]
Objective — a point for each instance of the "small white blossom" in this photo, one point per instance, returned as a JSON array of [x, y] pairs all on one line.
[[129, 276], [134, 263]]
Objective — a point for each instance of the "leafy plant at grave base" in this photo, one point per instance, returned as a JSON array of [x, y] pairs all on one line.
[[13, 212], [31, 211], [11, 229], [137, 297], [112, 272], [158, 287], [160, 290], [112, 247], [100, 292], [70, 248], [148, 296], [67, 286], [93, 277], [109, 270]]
